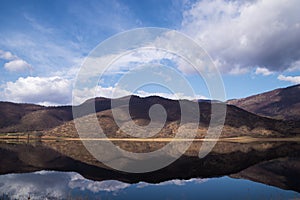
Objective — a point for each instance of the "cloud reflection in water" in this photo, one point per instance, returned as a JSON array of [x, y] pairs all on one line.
[[60, 185]]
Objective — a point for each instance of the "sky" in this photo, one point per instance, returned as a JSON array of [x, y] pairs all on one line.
[[254, 44]]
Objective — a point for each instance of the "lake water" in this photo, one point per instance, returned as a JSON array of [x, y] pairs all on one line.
[[71, 185], [56, 170]]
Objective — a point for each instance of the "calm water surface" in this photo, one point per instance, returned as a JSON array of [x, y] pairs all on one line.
[[71, 185], [274, 166]]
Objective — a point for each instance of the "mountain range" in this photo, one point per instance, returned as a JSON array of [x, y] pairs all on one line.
[[275, 113]]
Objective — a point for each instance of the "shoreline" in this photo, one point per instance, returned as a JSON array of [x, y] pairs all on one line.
[[240, 139]]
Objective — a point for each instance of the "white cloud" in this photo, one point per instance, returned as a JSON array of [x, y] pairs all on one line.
[[14, 63], [86, 93], [17, 65], [41, 90], [292, 79], [6, 55], [170, 96], [238, 70], [187, 49], [263, 33], [125, 61], [264, 71], [58, 90], [295, 66]]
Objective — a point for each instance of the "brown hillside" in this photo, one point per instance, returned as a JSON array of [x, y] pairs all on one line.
[[281, 103]]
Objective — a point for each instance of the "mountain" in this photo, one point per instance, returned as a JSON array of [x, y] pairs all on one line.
[[12, 113], [238, 122], [28, 117], [18, 117], [283, 103], [58, 120]]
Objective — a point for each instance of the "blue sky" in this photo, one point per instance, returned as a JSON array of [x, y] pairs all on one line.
[[254, 44]]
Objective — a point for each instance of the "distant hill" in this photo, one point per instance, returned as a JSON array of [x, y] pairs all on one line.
[[28, 117], [57, 121], [238, 121], [283, 103], [18, 117], [12, 113]]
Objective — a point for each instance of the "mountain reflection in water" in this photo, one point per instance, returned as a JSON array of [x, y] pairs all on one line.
[[261, 170]]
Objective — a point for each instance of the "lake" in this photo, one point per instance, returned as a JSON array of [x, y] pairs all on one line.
[[65, 170], [71, 185]]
